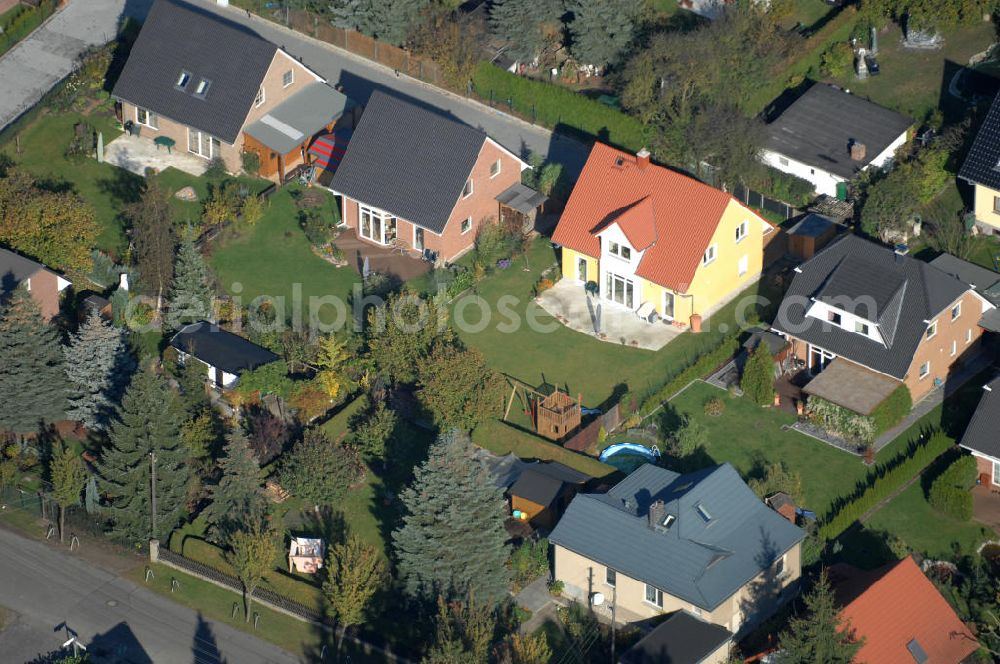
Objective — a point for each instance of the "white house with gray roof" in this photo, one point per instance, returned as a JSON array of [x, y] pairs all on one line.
[[660, 542]]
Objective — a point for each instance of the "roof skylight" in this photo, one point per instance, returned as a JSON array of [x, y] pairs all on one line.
[[183, 79], [202, 89]]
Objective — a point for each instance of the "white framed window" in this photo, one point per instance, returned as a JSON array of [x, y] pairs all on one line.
[[861, 328], [654, 596], [968, 336], [610, 577], [466, 225], [954, 347], [287, 78], [202, 89], [996, 473], [932, 330], [27, 284], [834, 317], [258, 101], [618, 250], [780, 568], [782, 161], [375, 225], [467, 189], [710, 254], [202, 144], [144, 117], [696, 610], [925, 369], [741, 231], [742, 266], [495, 168], [956, 310], [182, 79]]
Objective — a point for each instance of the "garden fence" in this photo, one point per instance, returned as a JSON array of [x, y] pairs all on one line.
[[758, 200], [587, 437]]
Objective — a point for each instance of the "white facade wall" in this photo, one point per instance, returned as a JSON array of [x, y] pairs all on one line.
[[821, 310], [615, 264], [823, 181]]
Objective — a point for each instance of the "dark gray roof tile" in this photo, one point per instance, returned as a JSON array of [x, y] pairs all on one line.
[[221, 348], [983, 433], [982, 165], [681, 639]]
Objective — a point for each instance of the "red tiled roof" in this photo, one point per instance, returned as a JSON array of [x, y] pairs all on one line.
[[901, 605], [670, 215]]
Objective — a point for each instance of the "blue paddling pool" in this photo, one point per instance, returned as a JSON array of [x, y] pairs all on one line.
[[626, 457]]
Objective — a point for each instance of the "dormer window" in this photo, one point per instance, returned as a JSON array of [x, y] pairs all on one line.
[[259, 99], [183, 79], [618, 250], [703, 512], [833, 317], [861, 328], [202, 89]]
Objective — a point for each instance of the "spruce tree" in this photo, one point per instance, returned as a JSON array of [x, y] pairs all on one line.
[[238, 500], [758, 376], [527, 25], [818, 637], [97, 365], [601, 30], [32, 381], [452, 540], [191, 292], [146, 433]]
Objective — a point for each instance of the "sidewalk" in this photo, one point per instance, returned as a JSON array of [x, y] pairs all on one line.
[[535, 597]]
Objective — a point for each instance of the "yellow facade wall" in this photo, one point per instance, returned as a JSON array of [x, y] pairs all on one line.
[[713, 283], [985, 212], [569, 261]]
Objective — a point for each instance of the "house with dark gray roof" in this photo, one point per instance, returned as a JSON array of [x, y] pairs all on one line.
[[981, 169], [660, 542], [828, 135], [681, 639], [865, 319], [416, 179], [226, 355], [982, 435], [43, 284], [203, 85]]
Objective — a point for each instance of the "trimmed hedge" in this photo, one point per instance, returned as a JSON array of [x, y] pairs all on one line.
[[950, 493], [882, 482], [704, 363], [892, 410], [552, 105]]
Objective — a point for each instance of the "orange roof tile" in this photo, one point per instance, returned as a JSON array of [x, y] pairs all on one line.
[[901, 605], [669, 215]]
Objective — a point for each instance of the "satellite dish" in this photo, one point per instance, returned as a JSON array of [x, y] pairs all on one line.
[[597, 599]]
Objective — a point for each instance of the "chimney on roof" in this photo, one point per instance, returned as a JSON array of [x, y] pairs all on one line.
[[657, 512], [642, 158], [858, 151]]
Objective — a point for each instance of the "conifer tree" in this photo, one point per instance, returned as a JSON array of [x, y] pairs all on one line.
[[32, 381], [529, 26], [145, 435], [238, 500], [601, 30], [191, 292], [818, 637], [471, 554], [758, 376], [98, 365]]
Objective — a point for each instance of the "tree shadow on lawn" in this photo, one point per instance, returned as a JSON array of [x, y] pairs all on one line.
[[124, 187], [863, 548]]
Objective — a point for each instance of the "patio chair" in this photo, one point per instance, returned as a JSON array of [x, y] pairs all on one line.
[[646, 311]]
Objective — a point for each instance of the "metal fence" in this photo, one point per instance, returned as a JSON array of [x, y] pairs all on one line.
[[758, 200]]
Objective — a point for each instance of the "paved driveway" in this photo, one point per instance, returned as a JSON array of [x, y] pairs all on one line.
[[48, 589], [31, 68]]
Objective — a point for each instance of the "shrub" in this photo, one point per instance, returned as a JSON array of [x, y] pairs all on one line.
[[494, 241], [892, 410], [216, 169], [882, 481], [714, 407], [842, 421], [252, 211], [950, 492], [251, 162], [556, 587], [757, 381], [529, 561], [837, 60], [317, 230], [551, 105]]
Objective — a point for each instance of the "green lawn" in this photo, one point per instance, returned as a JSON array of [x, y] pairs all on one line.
[[806, 13], [295, 636], [911, 518], [575, 361], [750, 438], [274, 258], [911, 80]]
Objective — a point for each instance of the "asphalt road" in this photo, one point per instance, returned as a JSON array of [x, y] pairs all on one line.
[[32, 67], [49, 589]]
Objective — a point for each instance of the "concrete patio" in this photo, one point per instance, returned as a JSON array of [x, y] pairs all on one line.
[[136, 154], [572, 307]]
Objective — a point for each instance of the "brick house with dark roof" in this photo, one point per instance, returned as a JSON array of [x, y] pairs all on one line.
[[44, 285], [982, 435], [866, 320], [416, 179], [217, 88]]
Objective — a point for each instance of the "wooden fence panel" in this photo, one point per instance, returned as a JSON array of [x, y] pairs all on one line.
[[392, 56], [361, 44], [331, 34]]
